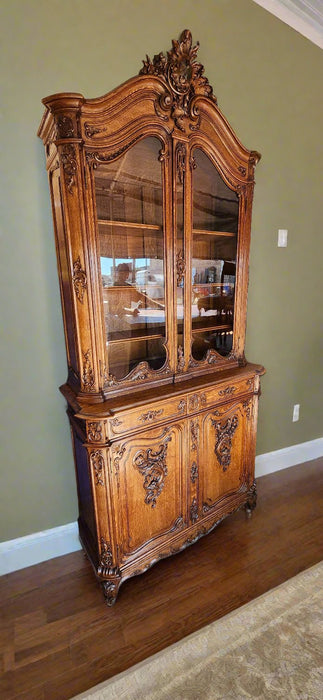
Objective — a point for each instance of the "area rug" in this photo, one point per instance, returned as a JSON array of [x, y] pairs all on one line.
[[271, 649]]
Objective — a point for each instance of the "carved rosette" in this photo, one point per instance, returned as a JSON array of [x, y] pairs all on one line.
[[152, 466], [197, 401], [224, 434], [79, 279], [184, 80]]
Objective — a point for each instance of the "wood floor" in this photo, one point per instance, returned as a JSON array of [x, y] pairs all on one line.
[[58, 638]]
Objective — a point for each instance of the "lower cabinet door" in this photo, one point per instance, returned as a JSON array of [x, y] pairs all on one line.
[[150, 488], [226, 454]]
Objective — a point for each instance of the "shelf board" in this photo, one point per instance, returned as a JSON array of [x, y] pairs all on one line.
[[203, 232], [224, 327], [132, 339], [130, 224]]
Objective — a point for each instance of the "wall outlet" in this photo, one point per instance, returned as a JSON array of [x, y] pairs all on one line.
[[296, 412]]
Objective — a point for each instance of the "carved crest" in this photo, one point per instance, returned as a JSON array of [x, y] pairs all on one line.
[[152, 465], [184, 80], [224, 435]]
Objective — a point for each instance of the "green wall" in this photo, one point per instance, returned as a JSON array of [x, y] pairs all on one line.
[[267, 80]]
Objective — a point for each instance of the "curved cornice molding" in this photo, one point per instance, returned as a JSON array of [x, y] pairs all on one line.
[[305, 16]]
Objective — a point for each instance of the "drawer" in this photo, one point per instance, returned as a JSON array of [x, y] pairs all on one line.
[[225, 391], [146, 415]]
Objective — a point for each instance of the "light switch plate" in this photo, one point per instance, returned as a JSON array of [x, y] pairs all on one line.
[[282, 238]]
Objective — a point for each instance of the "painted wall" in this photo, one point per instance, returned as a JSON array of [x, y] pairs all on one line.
[[267, 80]]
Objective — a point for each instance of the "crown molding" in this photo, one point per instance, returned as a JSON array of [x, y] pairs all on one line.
[[305, 16]]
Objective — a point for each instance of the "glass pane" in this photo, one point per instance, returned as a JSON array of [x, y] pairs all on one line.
[[131, 239], [215, 230]]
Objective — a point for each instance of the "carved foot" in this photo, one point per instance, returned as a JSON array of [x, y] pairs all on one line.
[[110, 591], [251, 500]]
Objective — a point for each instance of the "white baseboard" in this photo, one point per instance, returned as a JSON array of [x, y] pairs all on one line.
[[288, 457], [40, 546]]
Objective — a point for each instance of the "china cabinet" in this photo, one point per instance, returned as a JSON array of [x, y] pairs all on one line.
[[151, 196]]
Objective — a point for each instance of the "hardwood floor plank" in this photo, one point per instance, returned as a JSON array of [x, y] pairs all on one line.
[[58, 638]]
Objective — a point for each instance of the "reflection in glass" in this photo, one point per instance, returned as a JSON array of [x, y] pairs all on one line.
[[130, 221], [215, 228]]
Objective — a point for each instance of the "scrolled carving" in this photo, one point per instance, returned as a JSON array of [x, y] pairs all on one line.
[[180, 161], [194, 511], [194, 472], [88, 375], [79, 279], [180, 267], [64, 128], [91, 130], [152, 466], [181, 406], [94, 431], [197, 401], [97, 462], [184, 80], [68, 157], [228, 391], [151, 415], [106, 567], [180, 359], [224, 434], [194, 433], [95, 158]]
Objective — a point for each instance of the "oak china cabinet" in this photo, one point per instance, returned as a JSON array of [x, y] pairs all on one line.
[[151, 195]]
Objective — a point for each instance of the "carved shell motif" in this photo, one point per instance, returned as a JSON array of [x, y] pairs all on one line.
[[184, 80]]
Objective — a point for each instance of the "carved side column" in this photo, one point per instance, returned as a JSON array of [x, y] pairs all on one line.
[[107, 565]]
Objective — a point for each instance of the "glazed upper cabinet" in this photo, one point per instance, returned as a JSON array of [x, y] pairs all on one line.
[[151, 195]]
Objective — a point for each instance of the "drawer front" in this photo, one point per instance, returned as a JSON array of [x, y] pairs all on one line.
[[147, 415], [225, 391]]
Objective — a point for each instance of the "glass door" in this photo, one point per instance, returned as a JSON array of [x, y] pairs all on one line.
[[129, 202], [214, 252]]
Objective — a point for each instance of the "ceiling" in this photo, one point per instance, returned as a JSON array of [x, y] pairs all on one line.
[[306, 16]]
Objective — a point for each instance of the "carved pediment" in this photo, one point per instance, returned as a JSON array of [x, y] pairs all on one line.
[[185, 80]]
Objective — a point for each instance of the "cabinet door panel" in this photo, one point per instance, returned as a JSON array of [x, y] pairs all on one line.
[[151, 492], [225, 436]]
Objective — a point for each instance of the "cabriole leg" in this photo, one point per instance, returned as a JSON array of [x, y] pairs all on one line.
[[251, 499]]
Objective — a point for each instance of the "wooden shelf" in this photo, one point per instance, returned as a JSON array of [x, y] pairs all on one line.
[[203, 232], [130, 224], [224, 327], [133, 338]]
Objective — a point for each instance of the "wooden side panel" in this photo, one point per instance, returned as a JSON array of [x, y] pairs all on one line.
[[150, 486]]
